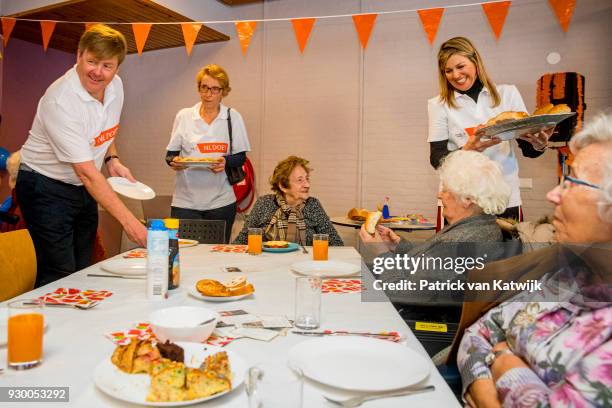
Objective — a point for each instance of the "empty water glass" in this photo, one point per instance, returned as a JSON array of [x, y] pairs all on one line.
[[308, 302]]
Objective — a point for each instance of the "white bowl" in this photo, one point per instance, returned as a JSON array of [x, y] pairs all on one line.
[[183, 323]]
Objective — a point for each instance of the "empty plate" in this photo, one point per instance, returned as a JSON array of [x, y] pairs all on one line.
[[137, 190], [326, 269], [359, 363], [125, 266]]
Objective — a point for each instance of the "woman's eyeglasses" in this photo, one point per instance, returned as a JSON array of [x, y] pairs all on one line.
[[213, 89], [567, 180]]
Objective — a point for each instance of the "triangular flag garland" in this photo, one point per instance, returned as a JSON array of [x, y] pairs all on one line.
[[564, 10], [190, 33], [496, 14], [430, 19], [245, 30], [302, 28], [7, 27], [47, 28], [141, 33], [364, 23]]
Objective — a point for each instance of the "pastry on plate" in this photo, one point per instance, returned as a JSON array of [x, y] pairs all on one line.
[[276, 244]]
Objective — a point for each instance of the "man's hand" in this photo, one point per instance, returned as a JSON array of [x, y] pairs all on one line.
[[218, 167], [136, 232], [116, 169]]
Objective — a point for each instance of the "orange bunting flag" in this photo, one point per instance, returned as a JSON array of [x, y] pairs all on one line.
[[245, 30], [364, 24], [302, 28], [564, 10], [47, 28], [496, 14], [7, 27], [430, 19], [141, 32], [190, 33]]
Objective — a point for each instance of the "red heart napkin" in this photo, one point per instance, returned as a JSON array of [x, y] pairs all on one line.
[[342, 286]]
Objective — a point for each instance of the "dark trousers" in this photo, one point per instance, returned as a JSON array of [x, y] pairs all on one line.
[[62, 220], [227, 214]]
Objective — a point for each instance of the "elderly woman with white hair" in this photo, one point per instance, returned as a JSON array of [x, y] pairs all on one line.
[[552, 347], [473, 192]]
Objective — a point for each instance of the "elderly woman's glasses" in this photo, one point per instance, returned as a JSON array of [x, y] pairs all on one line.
[[567, 180], [301, 180], [213, 89]]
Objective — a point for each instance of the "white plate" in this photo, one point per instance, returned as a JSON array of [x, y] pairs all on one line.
[[137, 190], [194, 292], [326, 269], [135, 387], [4, 326], [126, 266], [185, 243], [359, 363]]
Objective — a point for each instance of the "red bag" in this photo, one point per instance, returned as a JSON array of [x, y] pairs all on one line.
[[245, 189]]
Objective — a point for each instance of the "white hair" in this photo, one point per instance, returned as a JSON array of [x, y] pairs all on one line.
[[599, 131], [472, 176]]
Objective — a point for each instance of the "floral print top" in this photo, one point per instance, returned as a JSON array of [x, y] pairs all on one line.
[[566, 344]]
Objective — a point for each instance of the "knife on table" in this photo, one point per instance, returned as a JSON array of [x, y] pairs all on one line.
[[96, 275]]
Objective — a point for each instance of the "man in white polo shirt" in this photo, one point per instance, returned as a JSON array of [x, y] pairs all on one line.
[[59, 185]]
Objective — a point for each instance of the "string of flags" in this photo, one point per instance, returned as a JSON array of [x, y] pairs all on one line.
[[495, 13]]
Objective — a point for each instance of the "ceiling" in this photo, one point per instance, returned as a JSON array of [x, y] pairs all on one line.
[[66, 36]]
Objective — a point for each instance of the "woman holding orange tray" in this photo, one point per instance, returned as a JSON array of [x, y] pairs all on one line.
[[208, 130], [468, 98]]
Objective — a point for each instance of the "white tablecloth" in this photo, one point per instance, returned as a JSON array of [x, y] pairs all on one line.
[[74, 343]]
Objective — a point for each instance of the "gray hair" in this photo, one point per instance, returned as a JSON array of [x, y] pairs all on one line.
[[12, 168], [599, 131], [470, 175]]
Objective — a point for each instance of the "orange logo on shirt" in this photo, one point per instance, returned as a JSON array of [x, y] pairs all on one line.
[[105, 136], [212, 147]]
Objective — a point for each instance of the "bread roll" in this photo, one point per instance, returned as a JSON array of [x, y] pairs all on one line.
[[543, 110], [505, 116], [372, 219], [561, 108], [358, 214]]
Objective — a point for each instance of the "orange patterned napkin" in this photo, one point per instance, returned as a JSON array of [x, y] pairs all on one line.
[[240, 249], [342, 286], [72, 296], [143, 331]]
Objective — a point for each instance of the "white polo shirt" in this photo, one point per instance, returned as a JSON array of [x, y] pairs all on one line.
[[446, 123], [199, 188], [71, 126]]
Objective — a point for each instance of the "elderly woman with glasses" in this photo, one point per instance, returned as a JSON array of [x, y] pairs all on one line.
[[290, 213], [552, 347], [208, 129]]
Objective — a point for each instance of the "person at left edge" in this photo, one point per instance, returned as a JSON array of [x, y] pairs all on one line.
[[59, 184], [202, 131]]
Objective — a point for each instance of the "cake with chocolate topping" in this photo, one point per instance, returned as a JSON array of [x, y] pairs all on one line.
[[171, 351]]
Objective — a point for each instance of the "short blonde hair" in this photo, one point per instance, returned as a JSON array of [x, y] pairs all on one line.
[[464, 47], [282, 171], [12, 168], [216, 72], [472, 176], [103, 42]]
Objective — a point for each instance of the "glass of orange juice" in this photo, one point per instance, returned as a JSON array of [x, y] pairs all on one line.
[[25, 333], [255, 241], [319, 247]]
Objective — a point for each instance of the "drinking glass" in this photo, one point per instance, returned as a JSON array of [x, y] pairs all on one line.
[[320, 247], [274, 385], [25, 333], [255, 241], [308, 302]]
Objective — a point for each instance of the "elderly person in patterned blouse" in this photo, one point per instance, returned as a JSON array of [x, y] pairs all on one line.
[[529, 352], [290, 214]]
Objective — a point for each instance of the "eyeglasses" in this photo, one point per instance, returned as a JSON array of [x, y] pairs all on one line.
[[213, 89], [567, 180], [301, 180]]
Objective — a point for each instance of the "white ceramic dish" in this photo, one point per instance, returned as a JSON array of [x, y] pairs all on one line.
[[186, 243], [326, 269], [126, 266], [359, 363], [194, 292], [135, 387], [137, 190], [4, 326], [183, 323]]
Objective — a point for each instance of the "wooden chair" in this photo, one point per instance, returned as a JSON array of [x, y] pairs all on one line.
[[17, 264]]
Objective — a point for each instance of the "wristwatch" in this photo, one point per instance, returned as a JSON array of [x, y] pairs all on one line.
[[109, 158], [490, 358]]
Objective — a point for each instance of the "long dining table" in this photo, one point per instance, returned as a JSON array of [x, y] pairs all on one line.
[[75, 341]]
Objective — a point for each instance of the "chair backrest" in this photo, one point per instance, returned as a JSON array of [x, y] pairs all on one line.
[[17, 263], [158, 207], [204, 231]]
